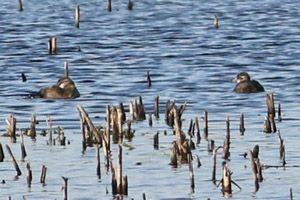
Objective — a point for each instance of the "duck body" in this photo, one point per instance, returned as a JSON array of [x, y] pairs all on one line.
[[245, 85], [64, 89]]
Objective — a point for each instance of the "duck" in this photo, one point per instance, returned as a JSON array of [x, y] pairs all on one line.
[[246, 85], [63, 89]]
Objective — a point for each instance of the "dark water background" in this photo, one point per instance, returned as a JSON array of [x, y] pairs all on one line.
[[189, 61]]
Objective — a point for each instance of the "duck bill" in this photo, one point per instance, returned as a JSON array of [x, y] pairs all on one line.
[[235, 79]]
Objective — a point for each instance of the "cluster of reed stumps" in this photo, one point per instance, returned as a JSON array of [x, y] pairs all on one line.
[[181, 148]]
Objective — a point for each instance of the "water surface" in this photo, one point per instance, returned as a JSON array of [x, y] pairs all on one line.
[[189, 61]]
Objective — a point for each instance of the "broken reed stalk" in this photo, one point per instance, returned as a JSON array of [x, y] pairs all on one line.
[[149, 79], [52, 45], [43, 175], [169, 117], [279, 113], [23, 150], [156, 141], [270, 105], [131, 111], [273, 125], [271, 110], [205, 125], [254, 170], [125, 185], [62, 137], [130, 5], [24, 79], [255, 151], [182, 109], [119, 180], [121, 107], [109, 8], [106, 138], [156, 107], [77, 16], [226, 145], [66, 68], [174, 151], [49, 124], [114, 187], [12, 128], [281, 149], [29, 175], [98, 170], [91, 127], [1, 153], [32, 126], [242, 125], [128, 133], [19, 173], [216, 22], [198, 161], [192, 179], [119, 183], [115, 125], [267, 125], [139, 109], [192, 145], [255, 155], [20, 6], [197, 130], [228, 128], [190, 131], [150, 120], [226, 183], [120, 121], [115, 122], [82, 128], [226, 152], [65, 187], [181, 142], [210, 145], [259, 171], [214, 153]]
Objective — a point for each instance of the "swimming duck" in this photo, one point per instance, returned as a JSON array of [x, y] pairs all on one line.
[[64, 89], [245, 85]]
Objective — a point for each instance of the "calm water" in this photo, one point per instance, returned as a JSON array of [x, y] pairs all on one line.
[[189, 61]]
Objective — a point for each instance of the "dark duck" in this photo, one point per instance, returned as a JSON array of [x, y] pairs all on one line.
[[246, 85], [64, 89]]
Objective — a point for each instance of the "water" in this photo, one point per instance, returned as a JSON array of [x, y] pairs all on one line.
[[189, 61]]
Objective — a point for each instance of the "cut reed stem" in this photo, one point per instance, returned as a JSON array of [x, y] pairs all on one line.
[[77, 16], [19, 173]]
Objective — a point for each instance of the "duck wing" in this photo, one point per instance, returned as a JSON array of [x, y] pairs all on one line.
[[53, 92], [249, 87], [257, 87]]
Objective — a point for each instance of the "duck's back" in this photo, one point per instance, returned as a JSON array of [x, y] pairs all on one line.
[[53, 92], [249, 87]]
